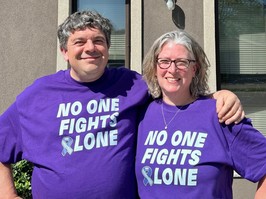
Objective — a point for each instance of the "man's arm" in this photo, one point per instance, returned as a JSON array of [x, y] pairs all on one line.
[[261, 190], [7, 187], [228, 107]]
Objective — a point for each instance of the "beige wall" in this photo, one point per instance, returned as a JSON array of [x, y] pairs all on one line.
[[28, 45], [243, 189], [158, 19]]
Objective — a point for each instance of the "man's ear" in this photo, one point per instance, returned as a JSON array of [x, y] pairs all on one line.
[[64, 53]]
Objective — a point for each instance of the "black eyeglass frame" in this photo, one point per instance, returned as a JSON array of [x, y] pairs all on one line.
[[175, 62]]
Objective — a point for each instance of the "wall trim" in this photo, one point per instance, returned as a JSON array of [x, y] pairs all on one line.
[[136, 35], [209, 39], [64, 7]]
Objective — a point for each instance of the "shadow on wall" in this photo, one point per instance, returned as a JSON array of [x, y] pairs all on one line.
[[178, 17]]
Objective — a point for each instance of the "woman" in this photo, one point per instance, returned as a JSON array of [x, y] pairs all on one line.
[[183, 151]]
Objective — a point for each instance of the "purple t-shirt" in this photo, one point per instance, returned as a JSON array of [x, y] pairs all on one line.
[[196, 155], [79, 136]]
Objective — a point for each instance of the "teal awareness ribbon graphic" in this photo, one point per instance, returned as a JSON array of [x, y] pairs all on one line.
[[66, 143], [147, 173]]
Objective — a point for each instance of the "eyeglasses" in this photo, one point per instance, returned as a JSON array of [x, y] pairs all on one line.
[[181, 64]]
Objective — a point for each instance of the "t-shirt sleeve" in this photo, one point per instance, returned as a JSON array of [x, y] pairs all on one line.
[[10, 134], [248, 150]]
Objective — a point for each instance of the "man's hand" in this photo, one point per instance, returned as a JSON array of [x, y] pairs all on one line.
[[228, 107], [261, 189], [7, 188]]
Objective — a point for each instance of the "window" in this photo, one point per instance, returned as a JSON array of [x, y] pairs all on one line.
[[114, 10], [242, 54]]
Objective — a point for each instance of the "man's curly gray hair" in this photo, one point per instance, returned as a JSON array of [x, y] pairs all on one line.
[[80, 21]]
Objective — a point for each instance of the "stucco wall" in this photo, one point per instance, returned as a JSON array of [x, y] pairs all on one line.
[[157, 19], [28, 45]]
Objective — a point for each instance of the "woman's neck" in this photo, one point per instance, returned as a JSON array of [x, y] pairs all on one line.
[[178, 100]]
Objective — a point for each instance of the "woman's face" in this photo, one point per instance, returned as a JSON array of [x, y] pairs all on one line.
[[175, 80]]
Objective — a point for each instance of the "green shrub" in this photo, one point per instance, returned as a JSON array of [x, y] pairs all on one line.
[[22, 178]]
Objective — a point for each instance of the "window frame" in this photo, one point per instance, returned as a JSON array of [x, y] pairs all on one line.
[[249, 87]]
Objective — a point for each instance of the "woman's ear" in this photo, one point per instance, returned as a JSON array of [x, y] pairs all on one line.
[[195, 69]]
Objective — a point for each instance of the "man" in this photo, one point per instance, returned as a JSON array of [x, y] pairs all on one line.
[[78, 127]]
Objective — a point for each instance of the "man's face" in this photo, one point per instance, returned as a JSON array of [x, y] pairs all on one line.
[[87, 54]]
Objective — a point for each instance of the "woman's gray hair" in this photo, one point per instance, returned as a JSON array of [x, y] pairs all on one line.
[[80, 21], [199, 85]]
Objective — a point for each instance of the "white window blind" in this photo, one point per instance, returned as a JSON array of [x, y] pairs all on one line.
[[244, 54], [242, 37], [117, 49]]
